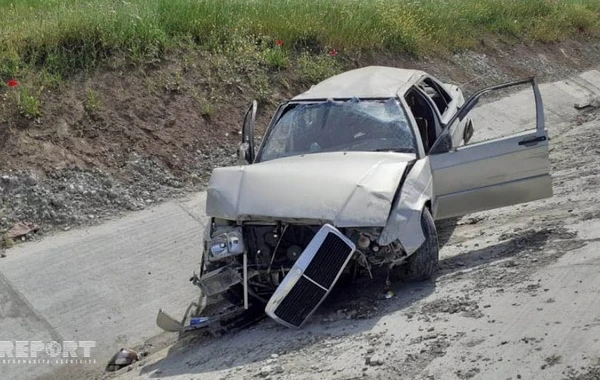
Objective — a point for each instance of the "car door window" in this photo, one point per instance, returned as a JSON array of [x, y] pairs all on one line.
[[436, 93], [494, 116], [425, 117]]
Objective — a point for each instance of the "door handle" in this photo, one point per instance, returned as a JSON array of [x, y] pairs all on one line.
[[533, 141]]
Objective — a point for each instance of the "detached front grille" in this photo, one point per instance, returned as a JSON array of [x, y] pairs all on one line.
[[329, 259], [311, 278], [304, 297]]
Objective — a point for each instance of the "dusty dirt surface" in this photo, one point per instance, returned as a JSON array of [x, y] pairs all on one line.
[[516, 298], [124, 138]]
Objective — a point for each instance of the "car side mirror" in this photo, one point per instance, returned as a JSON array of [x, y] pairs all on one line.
[[243, 154], [469, 130]]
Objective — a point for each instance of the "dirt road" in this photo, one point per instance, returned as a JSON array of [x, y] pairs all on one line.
[[516, 298]]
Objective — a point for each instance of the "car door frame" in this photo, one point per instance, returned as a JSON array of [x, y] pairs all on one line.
[[457, 130], [246, 149], [459, 192], [452, 106]]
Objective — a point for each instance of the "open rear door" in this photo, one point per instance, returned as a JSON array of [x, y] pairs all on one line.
[[497, 172]]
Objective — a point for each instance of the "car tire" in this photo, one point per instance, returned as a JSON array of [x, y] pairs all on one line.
[[423, 264]]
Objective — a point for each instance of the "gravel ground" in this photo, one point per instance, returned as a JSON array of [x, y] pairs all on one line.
[[73, 197]]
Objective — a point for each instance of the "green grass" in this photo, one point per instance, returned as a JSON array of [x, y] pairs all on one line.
[[28, 103], [65, 36], [93, 101]]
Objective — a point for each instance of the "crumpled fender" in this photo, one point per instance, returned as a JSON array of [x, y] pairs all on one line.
[[404, 221]]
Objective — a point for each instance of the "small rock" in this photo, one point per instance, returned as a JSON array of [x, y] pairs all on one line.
[[375, 360], [274, 356], [266, 370]]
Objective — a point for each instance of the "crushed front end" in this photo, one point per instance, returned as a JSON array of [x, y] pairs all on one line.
[[286, 269]]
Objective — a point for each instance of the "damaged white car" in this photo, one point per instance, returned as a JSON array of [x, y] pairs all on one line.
[[349, 177]]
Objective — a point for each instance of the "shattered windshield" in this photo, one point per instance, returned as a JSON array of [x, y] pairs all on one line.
[[332, 126]]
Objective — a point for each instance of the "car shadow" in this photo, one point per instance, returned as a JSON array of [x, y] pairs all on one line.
[[445, 228], [518, 243], [349, 310]]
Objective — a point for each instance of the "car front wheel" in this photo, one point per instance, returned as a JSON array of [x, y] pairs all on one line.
[[423, 264]]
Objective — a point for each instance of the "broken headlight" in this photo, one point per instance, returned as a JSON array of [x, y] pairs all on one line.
[[226, 242]]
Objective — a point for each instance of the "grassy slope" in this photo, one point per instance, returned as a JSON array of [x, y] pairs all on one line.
[[65, 36], [44, 41]]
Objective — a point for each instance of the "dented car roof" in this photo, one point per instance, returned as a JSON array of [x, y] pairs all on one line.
[[366, 82]]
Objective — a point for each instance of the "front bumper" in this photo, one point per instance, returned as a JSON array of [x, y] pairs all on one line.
[[303, 289]]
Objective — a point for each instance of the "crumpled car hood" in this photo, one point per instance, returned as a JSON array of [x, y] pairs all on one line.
[[347, 189]]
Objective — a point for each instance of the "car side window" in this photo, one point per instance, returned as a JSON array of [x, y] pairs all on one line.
[[436, 93]]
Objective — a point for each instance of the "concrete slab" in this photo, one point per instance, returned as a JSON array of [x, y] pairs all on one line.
[[516, 113], [103, 284]]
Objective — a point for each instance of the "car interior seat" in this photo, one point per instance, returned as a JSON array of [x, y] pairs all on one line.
[[422, 124], [423, 131]]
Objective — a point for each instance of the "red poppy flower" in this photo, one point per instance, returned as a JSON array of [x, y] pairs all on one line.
[[12, 83], [333, 52], [280, 43]]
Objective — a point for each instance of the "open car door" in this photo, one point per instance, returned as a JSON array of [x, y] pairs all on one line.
[[246, 148], [493, 173]]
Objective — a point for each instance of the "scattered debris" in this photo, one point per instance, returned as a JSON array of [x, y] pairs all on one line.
[[469, 307], [591, 102], [21, 229], [470, 221], [122, 358], [551, 360]]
